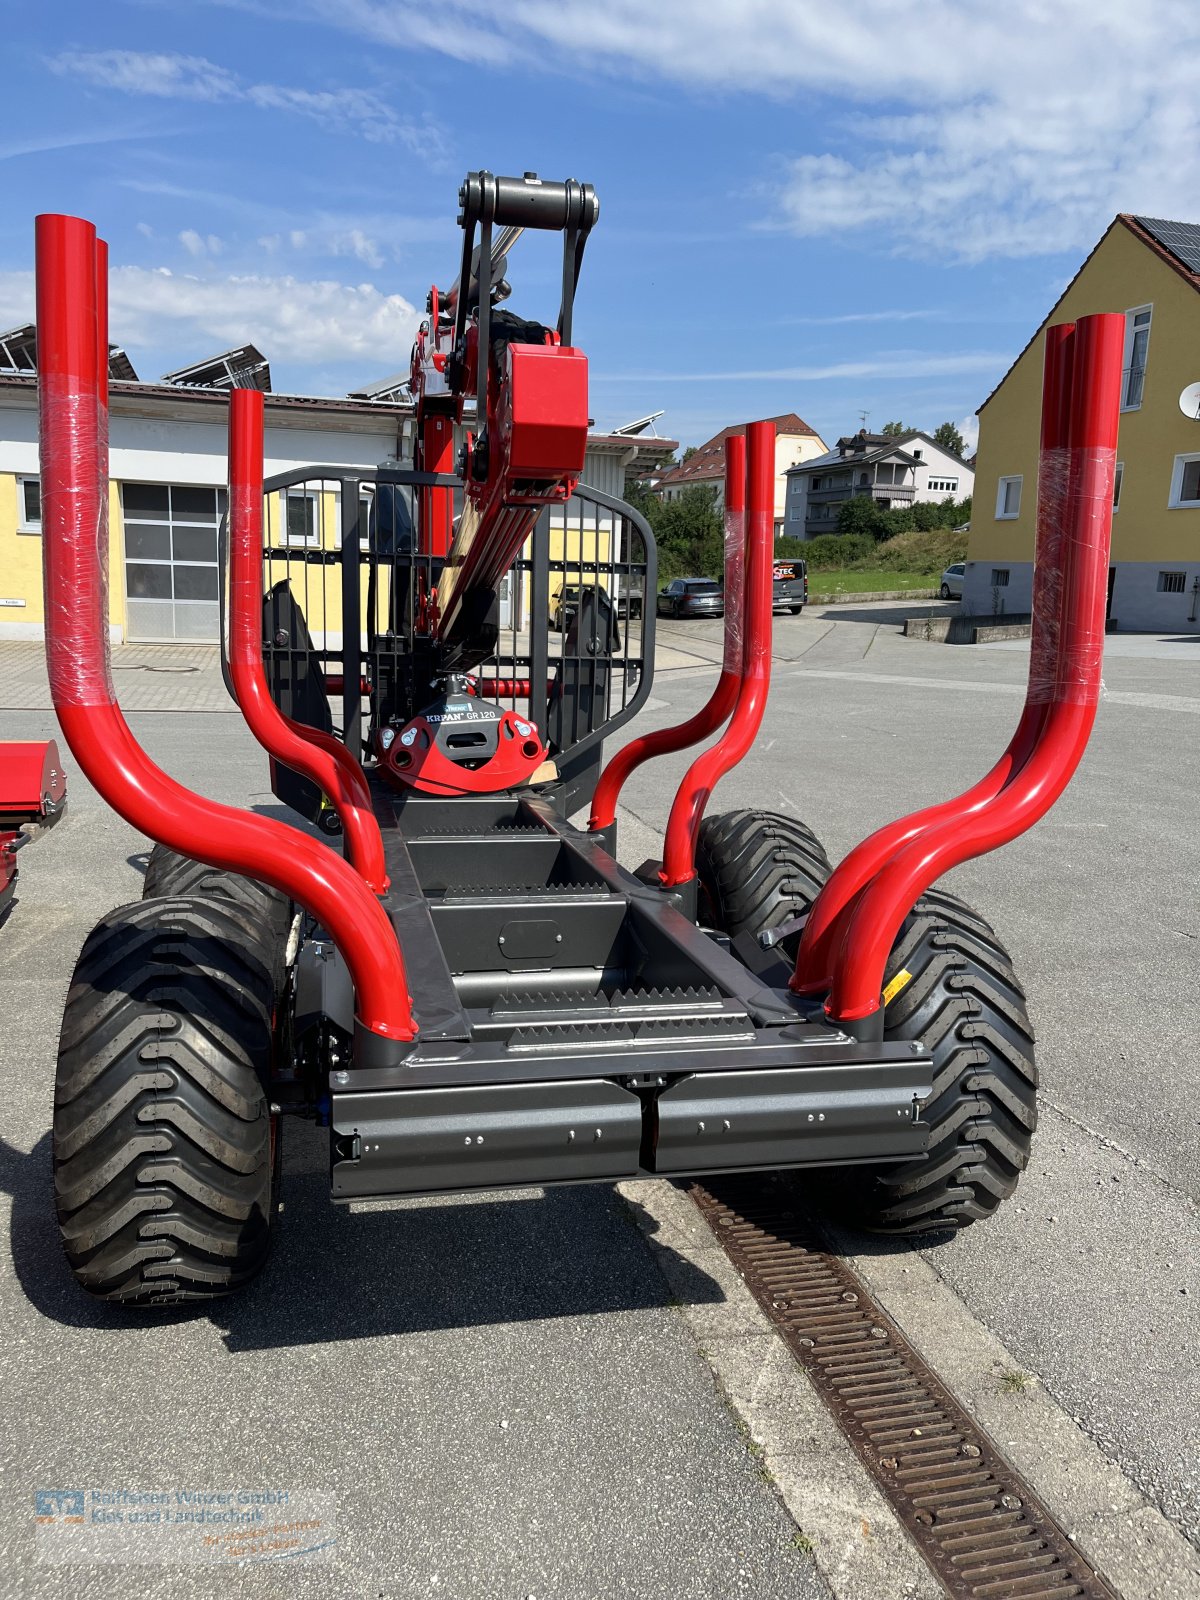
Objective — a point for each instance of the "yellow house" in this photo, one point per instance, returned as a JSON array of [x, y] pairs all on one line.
[[1150, 270]]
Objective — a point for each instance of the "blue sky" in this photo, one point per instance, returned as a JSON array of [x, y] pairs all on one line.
[[831, 210]]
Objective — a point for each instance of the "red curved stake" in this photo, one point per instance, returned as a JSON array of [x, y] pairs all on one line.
[[827, 921], [73, 416], [715, 711], [1064, 684], [702, 777], [311, 751]]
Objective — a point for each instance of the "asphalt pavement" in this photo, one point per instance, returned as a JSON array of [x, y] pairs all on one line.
[[511, 1395]]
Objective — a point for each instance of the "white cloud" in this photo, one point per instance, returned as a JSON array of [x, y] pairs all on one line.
[[355, 243], [1017, 129], [888, 364], [197, 244], [359, 111], [290, 319]]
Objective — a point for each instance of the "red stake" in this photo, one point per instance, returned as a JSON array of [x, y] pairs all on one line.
[[702, 777], [721, 702], [74, 445], [1075, 525], [826, 925], [311, 751]]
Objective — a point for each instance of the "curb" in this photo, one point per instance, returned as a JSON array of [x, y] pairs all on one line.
[[841, 597]]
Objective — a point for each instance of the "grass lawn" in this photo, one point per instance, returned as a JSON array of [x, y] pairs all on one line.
[[867, 581]]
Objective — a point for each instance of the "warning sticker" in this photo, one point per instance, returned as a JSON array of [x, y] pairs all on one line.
[[901, 981]]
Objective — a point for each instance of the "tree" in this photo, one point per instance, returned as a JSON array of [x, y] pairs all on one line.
[[895, 429], [691, 534], [861, 515], [948, 436], [688, 453]]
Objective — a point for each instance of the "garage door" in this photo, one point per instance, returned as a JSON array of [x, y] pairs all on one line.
[[171, 560]]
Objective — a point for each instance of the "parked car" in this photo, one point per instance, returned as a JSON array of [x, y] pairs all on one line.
[[691, 597], [789, 586], [952, 581]]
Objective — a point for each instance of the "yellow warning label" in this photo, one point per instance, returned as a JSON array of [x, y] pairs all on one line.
[[901, 981]]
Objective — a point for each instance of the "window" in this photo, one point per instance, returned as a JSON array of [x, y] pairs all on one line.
[[916, 455], [793, 513], [29, 505], [1185, 481], [816, 483], [1000, 577], [1118, 478], [943, 485], [1171, 582], [171, 559], [1008, 498], [1137, 341]]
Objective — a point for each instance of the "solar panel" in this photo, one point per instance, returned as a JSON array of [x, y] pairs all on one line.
[[1182, 239]]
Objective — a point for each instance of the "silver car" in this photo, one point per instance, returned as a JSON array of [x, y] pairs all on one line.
[[952, 581]]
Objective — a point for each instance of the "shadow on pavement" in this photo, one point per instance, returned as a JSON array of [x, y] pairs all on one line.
[[884, 616], [427, 1266]]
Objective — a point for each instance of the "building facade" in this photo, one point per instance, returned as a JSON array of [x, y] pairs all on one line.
[[1149, 269], [894, 470], [795, 442], [168, 472]]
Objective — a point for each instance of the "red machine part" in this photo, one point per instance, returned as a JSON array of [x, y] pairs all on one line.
[[711, 715], [72, 358], [537, 437], [33, 783], [318, 755], [702, 777], [412, 759], [855, 920]]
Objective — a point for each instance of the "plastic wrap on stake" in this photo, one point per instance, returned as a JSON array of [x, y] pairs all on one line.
[[75, 589], [735, 554], [1053, 494]]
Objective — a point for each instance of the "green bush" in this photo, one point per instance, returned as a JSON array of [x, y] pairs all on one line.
[[830, 552], [861, 515], [928, 551]]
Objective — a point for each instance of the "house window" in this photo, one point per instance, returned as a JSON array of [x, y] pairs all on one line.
[[1008, 498], [171, 581], [1118, 479], [793, 513], [1000, 577], [816, 483], [916, 455], [29, 505], [1137, 341], [1185, 481], [943, 485], [1171, 582]]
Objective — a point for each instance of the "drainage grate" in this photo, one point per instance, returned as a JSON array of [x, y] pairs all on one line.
[[977, 1523]]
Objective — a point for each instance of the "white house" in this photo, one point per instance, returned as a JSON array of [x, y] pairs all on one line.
[[895, 470]]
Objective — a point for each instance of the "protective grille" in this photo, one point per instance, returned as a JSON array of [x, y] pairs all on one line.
[[572, 646]]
